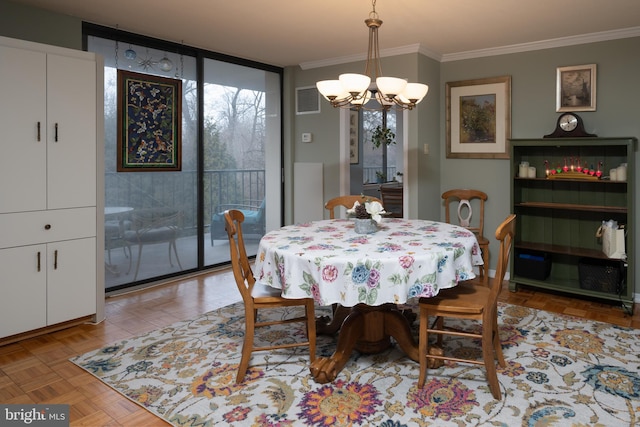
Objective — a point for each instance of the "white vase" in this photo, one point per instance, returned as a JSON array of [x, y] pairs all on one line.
[[365, 226]]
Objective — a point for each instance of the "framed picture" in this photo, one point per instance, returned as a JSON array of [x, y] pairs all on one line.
[[478, 118], [576, 88], [149, 123], [353, 137]]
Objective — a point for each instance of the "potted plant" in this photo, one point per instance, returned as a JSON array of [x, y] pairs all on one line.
[[381, 177], [382, 136]]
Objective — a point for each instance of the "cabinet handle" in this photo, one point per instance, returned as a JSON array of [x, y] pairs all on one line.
[[47, 227], [56, 136], [55, 259], [38, 131], [38, 261]]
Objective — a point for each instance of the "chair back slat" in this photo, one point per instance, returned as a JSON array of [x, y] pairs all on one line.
[[393, 200], [463, 199], [348, 202], [239, 261]]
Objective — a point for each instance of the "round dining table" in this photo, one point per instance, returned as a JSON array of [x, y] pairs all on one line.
[[366, 276]]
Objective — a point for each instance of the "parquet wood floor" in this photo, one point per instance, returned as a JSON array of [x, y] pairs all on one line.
[[37, 370]]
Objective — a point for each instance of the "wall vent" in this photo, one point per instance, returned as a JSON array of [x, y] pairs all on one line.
[[307, 100]]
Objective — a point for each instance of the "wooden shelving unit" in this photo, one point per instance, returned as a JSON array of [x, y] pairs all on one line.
[[558, 217]]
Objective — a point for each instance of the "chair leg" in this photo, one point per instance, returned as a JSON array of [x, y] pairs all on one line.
[[485, 267], [489, 361], [311, 330], [173, 245], [135, 276], [423, 347], [126, 248], [247, 346], [497, 344]]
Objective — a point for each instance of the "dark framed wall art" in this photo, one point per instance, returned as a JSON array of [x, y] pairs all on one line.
[[149, 122]]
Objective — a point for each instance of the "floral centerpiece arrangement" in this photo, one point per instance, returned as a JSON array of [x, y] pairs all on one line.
[[367, 216]]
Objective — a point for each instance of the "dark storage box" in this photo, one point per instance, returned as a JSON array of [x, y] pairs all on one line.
[[532, 265], [600, 275]]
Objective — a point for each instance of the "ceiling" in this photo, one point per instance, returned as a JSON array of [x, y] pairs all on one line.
[[301, 32]]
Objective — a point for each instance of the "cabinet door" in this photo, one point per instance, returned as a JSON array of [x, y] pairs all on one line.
[[71, 145], [22, 112], [71, 280], [23, 304]]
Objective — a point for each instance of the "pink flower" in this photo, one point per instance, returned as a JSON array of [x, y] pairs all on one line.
[[329, 273], [406, 261]]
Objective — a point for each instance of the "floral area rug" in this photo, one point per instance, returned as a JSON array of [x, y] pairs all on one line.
[[560, 371]]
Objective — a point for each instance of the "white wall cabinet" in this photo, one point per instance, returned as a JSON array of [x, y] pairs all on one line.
[[50, 184]]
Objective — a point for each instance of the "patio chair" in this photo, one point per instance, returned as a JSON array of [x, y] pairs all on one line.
[[153, 226], [253, 212]]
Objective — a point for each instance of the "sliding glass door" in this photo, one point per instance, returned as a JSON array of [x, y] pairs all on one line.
[[162, 224], [241, 134]]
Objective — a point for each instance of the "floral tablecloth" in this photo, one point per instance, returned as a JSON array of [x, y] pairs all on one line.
[[404, 259]]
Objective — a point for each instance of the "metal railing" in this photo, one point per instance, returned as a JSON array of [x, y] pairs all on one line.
[[369, 174], [179, 190]]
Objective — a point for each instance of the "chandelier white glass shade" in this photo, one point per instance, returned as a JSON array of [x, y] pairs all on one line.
[[355, 90]]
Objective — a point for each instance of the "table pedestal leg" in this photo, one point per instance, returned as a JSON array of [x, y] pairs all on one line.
[[368, 329]]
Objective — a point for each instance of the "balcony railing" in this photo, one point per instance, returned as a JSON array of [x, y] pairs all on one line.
[[179, 190]]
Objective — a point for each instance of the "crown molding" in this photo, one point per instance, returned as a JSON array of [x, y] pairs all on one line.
[[545, 44], [480, 53]]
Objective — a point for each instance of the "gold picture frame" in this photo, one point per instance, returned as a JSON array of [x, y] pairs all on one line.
[[576, 88], [478, 118]]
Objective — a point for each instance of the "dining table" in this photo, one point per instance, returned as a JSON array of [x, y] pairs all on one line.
[[369, 277]]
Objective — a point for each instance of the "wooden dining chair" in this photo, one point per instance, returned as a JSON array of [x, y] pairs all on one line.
[[462, 200], [347, 202], [392, 199], [258, 296], [469, 301]]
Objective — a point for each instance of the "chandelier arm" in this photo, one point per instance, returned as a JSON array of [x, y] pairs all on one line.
[[396, 95]]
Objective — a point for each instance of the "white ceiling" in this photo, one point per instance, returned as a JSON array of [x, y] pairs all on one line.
[[306, 33]]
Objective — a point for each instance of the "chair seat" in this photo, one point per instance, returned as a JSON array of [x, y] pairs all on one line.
[[262, 291], [466, 298], [156, 235]]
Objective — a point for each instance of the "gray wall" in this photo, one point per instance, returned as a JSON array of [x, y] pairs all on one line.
[[36, 25], [533, 107]]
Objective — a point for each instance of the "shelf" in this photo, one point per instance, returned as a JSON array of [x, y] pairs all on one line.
[[561, 249], [559, 214], [570, 287], [581, 181], [573, 207]]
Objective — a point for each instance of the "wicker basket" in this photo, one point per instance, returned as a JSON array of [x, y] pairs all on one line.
[[600, 275]]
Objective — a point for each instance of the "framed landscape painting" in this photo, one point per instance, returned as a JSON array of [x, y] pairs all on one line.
[[576, 88], [149, 122], [478, 118]]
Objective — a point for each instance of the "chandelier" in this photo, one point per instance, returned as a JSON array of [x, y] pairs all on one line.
[[353, 90]]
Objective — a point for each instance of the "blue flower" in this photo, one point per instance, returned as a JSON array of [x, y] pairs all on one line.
[[360, 274]]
